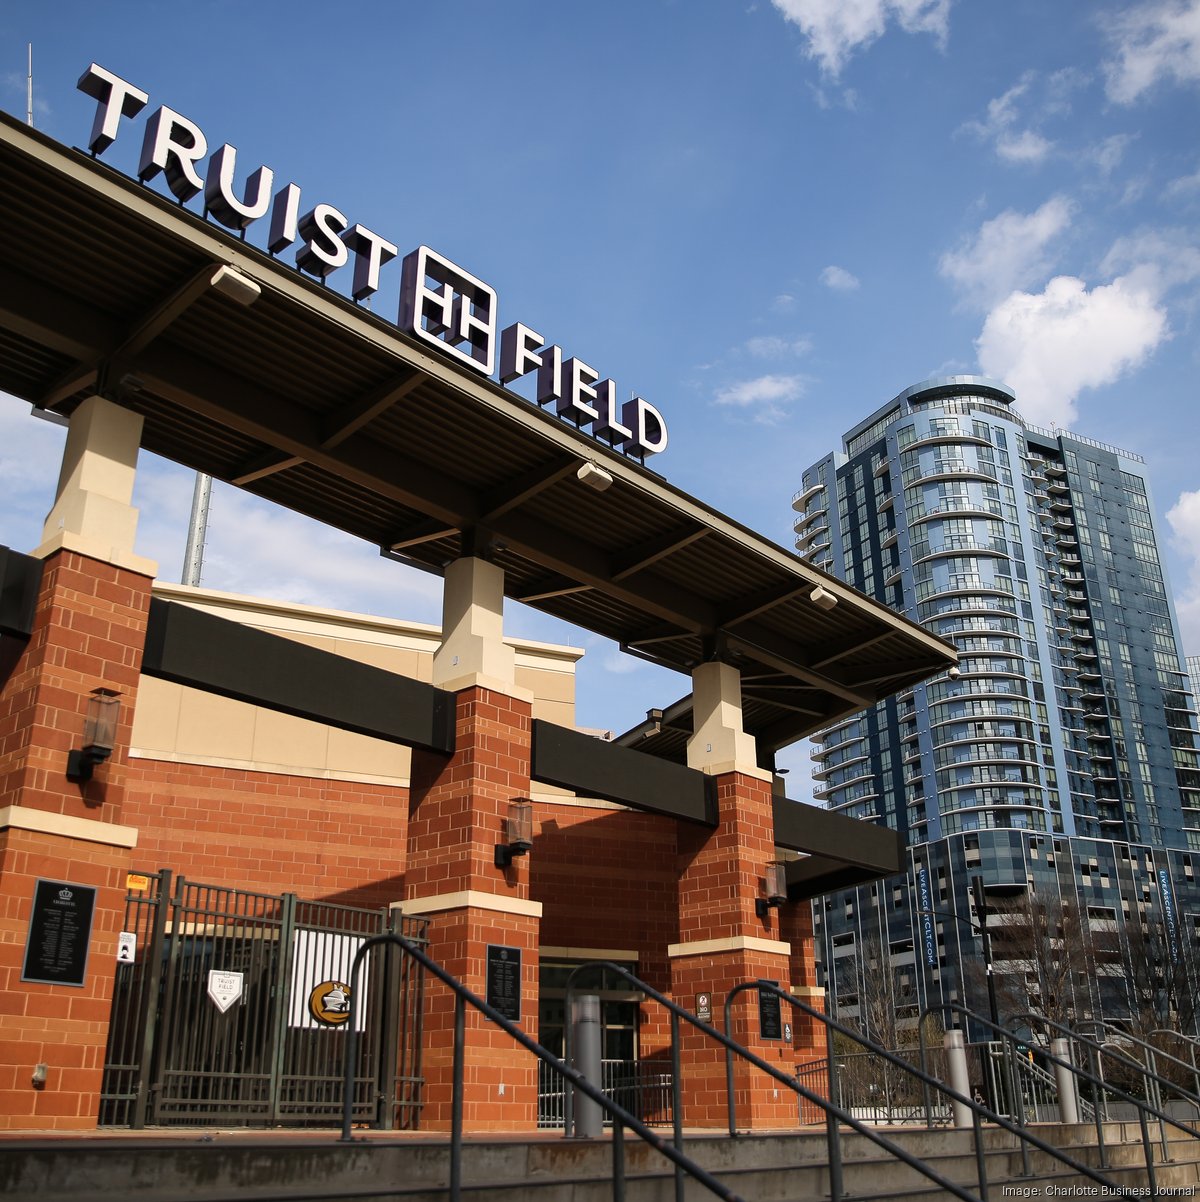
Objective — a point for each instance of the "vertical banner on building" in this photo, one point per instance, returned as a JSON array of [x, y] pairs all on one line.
[[321, 963], [925, 905], [1170, 919]]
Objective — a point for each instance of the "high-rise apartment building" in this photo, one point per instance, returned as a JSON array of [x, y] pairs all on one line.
[[1059, 762]]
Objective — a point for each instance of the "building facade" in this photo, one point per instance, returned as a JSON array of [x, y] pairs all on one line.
[[1058, 762]]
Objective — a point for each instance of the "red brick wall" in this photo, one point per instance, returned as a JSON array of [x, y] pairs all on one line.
[[458, 807], [321, 839], [457, 816], [62, 1026], [88, 632], [607, 879], [721, 871]]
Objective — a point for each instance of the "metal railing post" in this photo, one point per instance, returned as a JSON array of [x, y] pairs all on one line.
[[618, 1145], [730, 1097], [676, 1105], [980, 1155], [1017, 1108], [456, 1105], [834, 1144], [1101, 1105], [163, 901], [1148, 1150]]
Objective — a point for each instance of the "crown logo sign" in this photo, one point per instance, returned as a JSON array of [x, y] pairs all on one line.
[[65, 894]]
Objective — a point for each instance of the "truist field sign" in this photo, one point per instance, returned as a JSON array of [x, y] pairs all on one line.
[[440, 303]]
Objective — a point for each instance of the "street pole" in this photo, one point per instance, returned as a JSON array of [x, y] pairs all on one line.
[[982, 911]]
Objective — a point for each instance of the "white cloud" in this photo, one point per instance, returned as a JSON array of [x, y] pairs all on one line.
[[1162, 258], [771, 347], [839, 279], [1012, 144], [259, 548], [766, 395], [783, 302], [1153, 42], [620, 664], [30, 453], [1050, 347], [1184, 520], [1109, 153], [1024, 147], [835, 29], [1183, 187], [1008, 252]]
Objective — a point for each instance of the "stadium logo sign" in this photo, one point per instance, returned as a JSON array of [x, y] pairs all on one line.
[[440, 303]]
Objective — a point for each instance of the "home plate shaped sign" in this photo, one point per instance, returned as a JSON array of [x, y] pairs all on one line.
[[224, 988]]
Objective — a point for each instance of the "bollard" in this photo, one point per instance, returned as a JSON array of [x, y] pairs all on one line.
[[585, 1048], [1068, 1102], [960, 1079]]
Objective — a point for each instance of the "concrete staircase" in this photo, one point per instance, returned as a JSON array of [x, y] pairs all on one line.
[[315, 1167]]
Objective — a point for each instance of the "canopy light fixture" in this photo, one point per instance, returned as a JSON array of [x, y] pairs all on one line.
[[822, 598], [230, 282], [99, 734], [594, 476], [775, 888], [518, 832]]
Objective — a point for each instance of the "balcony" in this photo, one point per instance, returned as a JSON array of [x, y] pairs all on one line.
[[800, 499]]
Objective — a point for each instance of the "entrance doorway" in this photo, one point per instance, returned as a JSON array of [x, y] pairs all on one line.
[[643, 1089], [230, 1008]]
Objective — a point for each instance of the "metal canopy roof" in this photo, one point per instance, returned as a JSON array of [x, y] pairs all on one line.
[[310, 401]]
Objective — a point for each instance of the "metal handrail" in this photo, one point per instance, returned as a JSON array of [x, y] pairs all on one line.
[[1152, 1081], [464, 997], [978, 1112], [1192, 1042], [834, 1113], [1142, 1105], [1187, 1094], [1144, 1109]]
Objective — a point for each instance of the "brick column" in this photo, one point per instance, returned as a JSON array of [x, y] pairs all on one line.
[[457, 817], [722, 941], [88, 633]]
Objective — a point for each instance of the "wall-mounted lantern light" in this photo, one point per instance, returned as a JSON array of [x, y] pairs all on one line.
[[518, 833], [776, 889], [99, 734]]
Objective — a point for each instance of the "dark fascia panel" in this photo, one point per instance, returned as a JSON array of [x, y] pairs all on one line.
[[818, 875], [847, 841], [20, 580], [193, 648], [594, 767]]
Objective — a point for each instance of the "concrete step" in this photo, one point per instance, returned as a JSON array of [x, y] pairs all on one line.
[[315, 1167]]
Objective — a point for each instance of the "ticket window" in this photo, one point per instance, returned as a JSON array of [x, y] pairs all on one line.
[[618, 1007]]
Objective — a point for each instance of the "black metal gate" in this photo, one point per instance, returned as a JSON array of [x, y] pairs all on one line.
[[228, 1008]]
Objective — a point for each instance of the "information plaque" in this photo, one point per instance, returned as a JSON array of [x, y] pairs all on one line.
[[60, 930], [770, 1019], [504, 981]]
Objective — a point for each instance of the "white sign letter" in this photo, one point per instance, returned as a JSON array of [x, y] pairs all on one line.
[[116, 98], [371, 252], [173, 144], [577, 380], [649, 429], [323, 250], [517, 355], [219, 197]]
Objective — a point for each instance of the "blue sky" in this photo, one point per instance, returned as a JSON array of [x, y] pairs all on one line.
[[766, 218]]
